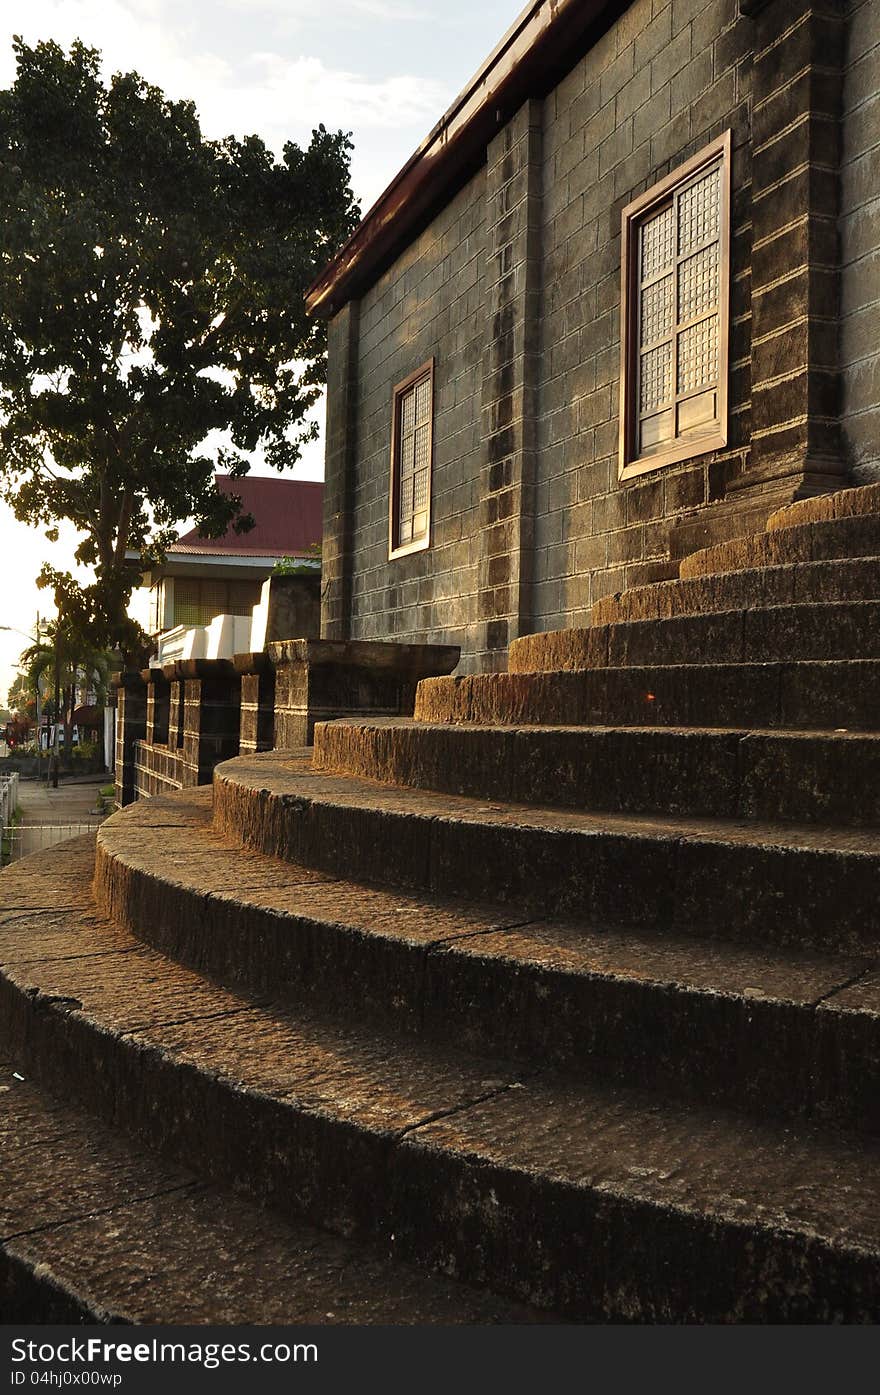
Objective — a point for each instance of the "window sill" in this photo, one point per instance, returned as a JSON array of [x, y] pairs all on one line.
[[420, 545], [682, 450]]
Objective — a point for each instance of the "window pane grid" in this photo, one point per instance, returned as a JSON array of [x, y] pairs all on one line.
[[413, 462], [678, 308]]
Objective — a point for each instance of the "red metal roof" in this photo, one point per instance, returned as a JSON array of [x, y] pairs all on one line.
[[288, 518]]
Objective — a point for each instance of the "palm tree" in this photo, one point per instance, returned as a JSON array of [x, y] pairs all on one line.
[[71, 662]]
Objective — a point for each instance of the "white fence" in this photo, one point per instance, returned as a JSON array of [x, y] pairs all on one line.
[[8, 806], [24, 838]]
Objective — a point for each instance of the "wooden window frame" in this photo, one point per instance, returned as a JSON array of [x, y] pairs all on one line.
[[396, 548], [632, 217]]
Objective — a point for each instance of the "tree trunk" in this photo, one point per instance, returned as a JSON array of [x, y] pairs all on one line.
[[69, 700]]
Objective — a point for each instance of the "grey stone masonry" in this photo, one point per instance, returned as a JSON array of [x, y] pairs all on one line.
[[319, 680], [431, 304], [513, 290], [131, 726], [514, 179], [294, 608], [212, 701], [158, 705], [339, 470], [257, 728], [860, 235], [796, 101]]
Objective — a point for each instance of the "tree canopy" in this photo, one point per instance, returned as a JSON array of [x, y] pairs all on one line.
[[151, 284]]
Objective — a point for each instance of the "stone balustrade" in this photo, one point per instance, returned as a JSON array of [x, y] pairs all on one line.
[[177, 722]]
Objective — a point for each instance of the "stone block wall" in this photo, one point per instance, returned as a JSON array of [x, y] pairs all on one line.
[[515, 288], [654, 90], [860, 250], [209, 710], [430, 303]]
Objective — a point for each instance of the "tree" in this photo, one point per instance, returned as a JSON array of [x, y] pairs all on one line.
[[152, 291], [21, 696], [77, 662]]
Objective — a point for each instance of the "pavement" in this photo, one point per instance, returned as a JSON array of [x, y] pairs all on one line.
[[49, 816]]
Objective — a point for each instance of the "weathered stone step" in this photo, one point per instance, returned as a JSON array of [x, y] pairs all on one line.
[[844, 503], [594, 1200], [848, 536], [812, 694], [626, 1006], [810, 777], [857, 579], [94, 1229], [770, 634], [780, 884]]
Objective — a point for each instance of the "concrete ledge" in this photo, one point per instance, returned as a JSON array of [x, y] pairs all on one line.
[[805, 695], [845, 503], [410, 661], [317, 680], [797, 583], [586, 1000], [188, 669], [851, 536], [250, 664], [815, 777], [766, 634], [456, 1161], [795, 885]]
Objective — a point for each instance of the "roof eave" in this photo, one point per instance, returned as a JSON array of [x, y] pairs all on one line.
[[539, 47]]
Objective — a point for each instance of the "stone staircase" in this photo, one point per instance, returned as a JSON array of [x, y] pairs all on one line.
[[560, 1000]]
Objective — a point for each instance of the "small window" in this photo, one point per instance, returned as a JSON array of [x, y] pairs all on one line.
[[411, 449], [675, 253]]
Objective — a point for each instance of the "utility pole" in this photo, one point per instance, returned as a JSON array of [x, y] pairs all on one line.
[[39, 728], [55, 756]]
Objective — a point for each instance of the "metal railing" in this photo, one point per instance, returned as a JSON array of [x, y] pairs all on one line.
[[8, 806], [24, 838]]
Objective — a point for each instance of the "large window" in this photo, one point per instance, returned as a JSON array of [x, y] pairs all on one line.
[[674, 315], [411, 448], [196, 602]]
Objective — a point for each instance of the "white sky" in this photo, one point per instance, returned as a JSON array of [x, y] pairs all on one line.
[[383, 69]]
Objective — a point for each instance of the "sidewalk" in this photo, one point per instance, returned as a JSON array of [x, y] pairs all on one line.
[[48, 816]]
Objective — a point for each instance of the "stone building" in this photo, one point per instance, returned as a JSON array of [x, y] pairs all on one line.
[[618, 306]]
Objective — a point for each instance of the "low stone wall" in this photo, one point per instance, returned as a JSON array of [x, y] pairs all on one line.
[[158, 769], [178, 722]]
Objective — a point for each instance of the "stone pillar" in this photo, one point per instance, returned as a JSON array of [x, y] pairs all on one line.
[[158, 706], [257, 729], [514, 176], [797, 86], [211, 716], [319, 680], [339, 473], [175, 707], [131, 726]]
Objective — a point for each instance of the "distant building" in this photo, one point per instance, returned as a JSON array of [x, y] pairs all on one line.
[[203, 579]]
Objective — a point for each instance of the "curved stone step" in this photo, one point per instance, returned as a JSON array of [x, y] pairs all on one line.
[[626, 1006], [849, 536], [811, 694], [785, 885], [93, 1229], [796, 777], [844, 503], [594, 1200], [770, 634], [799, 583]]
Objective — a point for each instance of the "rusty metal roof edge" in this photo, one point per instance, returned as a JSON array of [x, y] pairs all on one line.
[[539, 35]]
